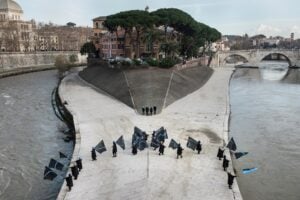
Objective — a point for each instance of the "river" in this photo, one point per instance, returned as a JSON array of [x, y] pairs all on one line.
[[265, 121], [29, 137]]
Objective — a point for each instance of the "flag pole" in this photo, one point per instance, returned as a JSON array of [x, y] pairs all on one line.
[[148, 163]]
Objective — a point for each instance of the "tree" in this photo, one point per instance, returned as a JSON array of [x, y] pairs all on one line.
[[88, 48], [134, 23], [62, 64]]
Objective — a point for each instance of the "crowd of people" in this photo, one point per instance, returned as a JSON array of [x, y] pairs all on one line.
[[77, 166]]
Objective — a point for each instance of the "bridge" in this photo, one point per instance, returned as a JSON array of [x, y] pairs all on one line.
[[254, 57]]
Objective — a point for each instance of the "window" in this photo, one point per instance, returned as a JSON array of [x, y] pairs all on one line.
[[97, 25]]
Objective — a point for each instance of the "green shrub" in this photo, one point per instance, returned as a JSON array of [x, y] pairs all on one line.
[[152, 62], [167, 62], [136, 62]]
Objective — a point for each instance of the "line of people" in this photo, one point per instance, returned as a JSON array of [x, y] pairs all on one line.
[[225, 165], [75, 169], [179, 149], [149, 110]]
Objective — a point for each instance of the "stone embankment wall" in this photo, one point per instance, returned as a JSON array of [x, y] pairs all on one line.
[[12, 61]]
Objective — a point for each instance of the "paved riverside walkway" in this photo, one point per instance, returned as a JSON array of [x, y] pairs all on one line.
[[201, 115]]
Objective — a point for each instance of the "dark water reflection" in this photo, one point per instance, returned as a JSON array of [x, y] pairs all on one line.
[[265, 121], [29, 136]]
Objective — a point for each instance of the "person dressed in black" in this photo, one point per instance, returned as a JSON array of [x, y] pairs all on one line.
[[79, 164], [69, 181], [147, 110], [161, 148], [151, 110], [114, 149], [143, 110], [134, 149], [145, 136], [225, 163], [94, 156], [154, 110], [220, 153], [179, 151], [199, 147], [75, 171], [230, 179]]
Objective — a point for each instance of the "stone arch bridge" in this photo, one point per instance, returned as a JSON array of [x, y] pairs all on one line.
[[254, 57]]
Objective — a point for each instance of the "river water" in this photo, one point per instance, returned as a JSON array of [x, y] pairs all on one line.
[[29, 137], [265, 121]]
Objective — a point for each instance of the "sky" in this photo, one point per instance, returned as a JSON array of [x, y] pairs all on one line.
[[269, 17]]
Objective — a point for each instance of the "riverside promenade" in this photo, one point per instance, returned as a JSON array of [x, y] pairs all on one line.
[[202, 115]]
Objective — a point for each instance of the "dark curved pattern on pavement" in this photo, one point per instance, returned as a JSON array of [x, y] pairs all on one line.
[[138, 88]]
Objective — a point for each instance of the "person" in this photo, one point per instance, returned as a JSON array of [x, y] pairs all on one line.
[[151, 110], [225, 163], [145, 136], [74, 171], [94, 156], [79, 164], [69, 181], [147, 110], [161, 148], [134, 149], [199, 147], [220, 153], [114, 149], [154, 110], [179, 151], [143, 110], [230, 179]]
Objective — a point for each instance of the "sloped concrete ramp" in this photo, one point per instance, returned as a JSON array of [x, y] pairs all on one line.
[[150, 87]]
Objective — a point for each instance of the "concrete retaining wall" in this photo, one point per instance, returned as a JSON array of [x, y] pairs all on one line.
[[11, 61]]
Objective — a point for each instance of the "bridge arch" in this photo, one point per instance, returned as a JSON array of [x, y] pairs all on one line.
[[235, 58], [275, 57]]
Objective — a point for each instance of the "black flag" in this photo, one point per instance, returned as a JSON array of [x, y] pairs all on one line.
[[138, 132], [142, 144], [154, 143], [49, 174], [100, 148], [121, 142], [173, 144], [231, 145], [62, 155], [191, 143], [161, 134], [240, 154], [55, 165]]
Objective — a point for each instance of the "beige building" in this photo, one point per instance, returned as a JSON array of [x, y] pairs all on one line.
[[17, 34]]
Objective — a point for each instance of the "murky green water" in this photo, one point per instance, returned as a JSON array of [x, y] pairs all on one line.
[[265, 121], [29, 137]]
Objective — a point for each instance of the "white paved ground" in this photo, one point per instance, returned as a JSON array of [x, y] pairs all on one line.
[[125, 177]]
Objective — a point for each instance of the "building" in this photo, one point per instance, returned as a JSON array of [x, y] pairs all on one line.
[[120, 44], [17, 34]]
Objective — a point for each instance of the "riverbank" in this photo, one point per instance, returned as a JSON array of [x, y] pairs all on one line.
[[202, 115], [17, 71]]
